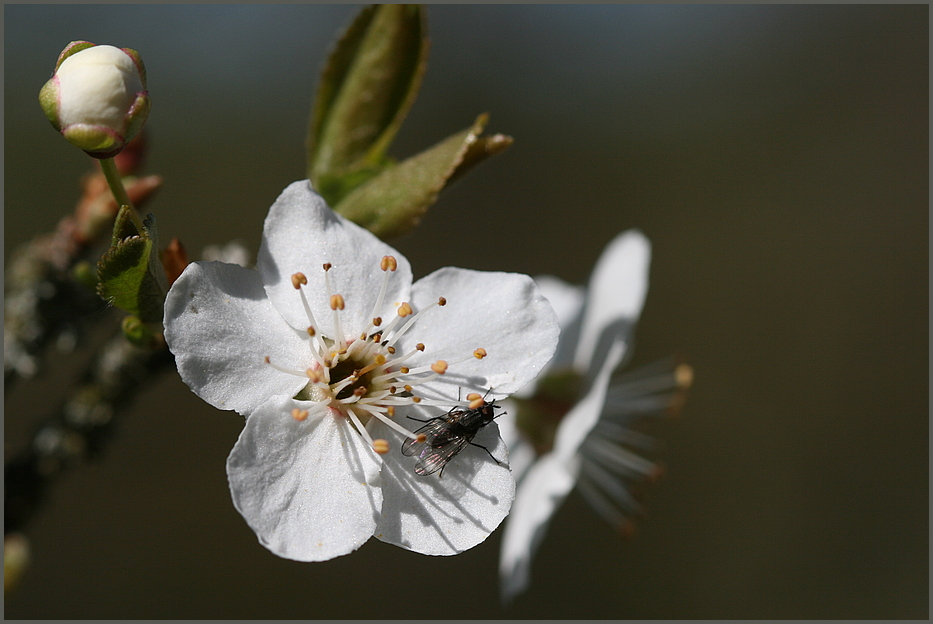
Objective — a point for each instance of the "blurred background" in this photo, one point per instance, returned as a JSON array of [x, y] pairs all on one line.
[[777, 158]]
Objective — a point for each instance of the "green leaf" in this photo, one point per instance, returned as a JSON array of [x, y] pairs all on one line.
[[131, 274], [393, 202], [366, 90]]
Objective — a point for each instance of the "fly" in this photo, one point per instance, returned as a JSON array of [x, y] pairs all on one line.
[[447, 435]]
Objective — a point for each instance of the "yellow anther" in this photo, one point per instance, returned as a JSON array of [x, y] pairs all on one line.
[[314, 375], [415, 399], [377, 321], [404, 370], [299, 414], [404, 309], [684, 376], [388, 263], [336, 302], [311, 331], [420, 437], [267, 360], [441, 302], [299, 280], [407, 388], [390, 411], [477, 402], [480, 353], [328, 266], [420, 346], [360, 391], [473, 396], [439, 367], [381, 446], [391, 350]]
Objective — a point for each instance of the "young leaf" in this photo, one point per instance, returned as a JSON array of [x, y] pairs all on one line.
[[366, 89], [131, 275], [393, 202]]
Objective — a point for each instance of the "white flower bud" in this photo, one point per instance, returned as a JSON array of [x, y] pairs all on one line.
[[97, 97]]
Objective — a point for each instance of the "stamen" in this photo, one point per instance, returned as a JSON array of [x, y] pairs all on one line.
[[684, 376], [480, 353], [440, 302], [388, 263], [379, 360], [381, 446], [299, 280], [359, 427], [439, 367], [299, 414], [394, 425], [282, 369], [336, 303]]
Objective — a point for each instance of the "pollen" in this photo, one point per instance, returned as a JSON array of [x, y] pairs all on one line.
[[299, 280], [684, 375], [381, 446], [476, 401], [311, 331], [441, 301], [337, 302], [404, 310], [299, 414], [480, 353], [439, 367], [388, 263], [328, 266]]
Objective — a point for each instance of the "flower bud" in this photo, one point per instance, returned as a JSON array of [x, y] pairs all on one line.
[[97, 97]]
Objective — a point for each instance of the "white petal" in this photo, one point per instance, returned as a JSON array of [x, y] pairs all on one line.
[[542, 491], [220, 326], [502, 313], [567, 301], [301, 234], [444, 515], [549, 480], [309, 489], [583, 416], [615, 295]]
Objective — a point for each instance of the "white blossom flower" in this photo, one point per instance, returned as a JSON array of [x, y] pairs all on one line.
[[570, 427], [97, 97], [326, 348]]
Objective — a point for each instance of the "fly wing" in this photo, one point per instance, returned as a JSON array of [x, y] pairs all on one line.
[[431, 431], [433, 458]]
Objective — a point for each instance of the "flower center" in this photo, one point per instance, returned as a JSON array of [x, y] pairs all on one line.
[[363, 377]]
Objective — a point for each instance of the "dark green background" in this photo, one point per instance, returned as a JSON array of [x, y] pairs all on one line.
[[777, 158]]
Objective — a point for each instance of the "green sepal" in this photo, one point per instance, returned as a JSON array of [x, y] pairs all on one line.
[[72, 48], [393, 202], [366, 89], [130, 272]]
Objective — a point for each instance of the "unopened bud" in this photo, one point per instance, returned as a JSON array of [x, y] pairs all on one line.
[[97, 97]]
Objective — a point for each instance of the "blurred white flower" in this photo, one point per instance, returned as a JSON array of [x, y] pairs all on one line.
[[97, 97], [326, 348], [571, 426]]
